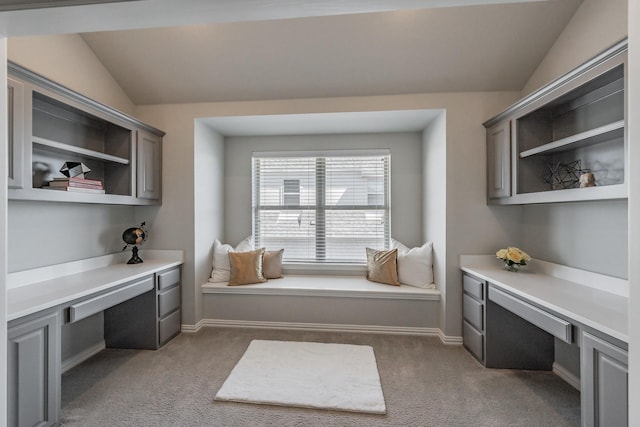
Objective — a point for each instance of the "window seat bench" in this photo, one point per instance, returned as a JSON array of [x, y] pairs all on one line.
[[323, 302]]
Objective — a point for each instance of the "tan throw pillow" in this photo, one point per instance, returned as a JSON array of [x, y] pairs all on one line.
[[382, 266], [246, 267], [272, 264]]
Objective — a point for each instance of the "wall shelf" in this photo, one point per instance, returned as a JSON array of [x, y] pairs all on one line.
[[580, 140], [567, 134], [52, 125], [66, 148]]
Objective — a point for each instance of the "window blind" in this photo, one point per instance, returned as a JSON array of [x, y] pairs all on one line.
[[321, 207]]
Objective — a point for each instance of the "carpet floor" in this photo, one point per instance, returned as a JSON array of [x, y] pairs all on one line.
[[425, 383]]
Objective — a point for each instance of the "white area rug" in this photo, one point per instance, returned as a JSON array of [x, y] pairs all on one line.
[[306, 374]]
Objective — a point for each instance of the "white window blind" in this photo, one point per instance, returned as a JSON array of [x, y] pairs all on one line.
[[321, 207]]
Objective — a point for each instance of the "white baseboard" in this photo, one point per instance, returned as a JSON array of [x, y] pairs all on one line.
[[452, 340], [566, 376], [398, 330], [77, 359], [192, 329]]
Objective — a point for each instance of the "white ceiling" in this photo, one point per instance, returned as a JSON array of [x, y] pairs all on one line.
[[453, 49], [165, 51]]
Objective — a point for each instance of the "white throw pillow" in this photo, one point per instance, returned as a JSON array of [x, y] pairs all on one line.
[[221, 267], [415, 265]]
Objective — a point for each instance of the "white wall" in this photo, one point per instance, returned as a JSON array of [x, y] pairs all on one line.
[[208, 200], [66, 59], [596, 25], [50, 233], [633, 130], [434, 196], [591, 236], [406, 176], [3, 232]]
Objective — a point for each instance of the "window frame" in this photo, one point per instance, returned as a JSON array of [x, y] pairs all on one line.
[[320, 207]]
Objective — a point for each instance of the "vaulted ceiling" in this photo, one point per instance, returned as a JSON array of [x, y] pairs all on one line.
[[261, 56]]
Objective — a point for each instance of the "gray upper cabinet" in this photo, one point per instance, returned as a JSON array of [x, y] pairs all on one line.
[[149, 166], [499, 161], [605, 383], [566, 142], [15, 127], [52, 125]]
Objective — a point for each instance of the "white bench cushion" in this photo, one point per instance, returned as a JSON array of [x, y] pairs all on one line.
[[339, 286]]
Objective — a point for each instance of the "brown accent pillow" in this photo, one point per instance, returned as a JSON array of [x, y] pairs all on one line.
[[246, 267], [382, 266], [272, 264]]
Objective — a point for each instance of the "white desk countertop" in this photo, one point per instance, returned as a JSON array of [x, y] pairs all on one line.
[[39, 289], [597, 301]]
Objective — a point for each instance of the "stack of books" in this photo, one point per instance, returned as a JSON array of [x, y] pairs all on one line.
[[81, 185]]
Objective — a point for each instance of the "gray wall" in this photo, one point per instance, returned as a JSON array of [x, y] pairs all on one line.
[[591, 236], [406, 176], [208, 205], [42, 233]]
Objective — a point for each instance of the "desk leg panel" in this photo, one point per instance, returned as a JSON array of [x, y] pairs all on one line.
[[514, 343], [133, 323]]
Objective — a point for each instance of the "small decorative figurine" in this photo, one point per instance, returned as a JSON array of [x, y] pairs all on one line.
[[74, 169], [587, 180]]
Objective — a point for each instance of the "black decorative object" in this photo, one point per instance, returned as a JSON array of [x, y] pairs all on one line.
[[134, 236], [564, 175], [74, 169]]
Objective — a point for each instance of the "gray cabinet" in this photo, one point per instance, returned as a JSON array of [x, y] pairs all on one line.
[[149, 169], [605, 377], [497, 328], [15, 127], [499, 161], [566, 141], [34, 370], [51, 125], [473, 310], [149, 320], [168, 297]]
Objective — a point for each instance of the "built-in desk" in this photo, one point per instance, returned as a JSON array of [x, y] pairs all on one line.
[[511, 320], [140, 305]]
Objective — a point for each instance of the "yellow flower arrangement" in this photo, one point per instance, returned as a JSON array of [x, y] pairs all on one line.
[[513, 257]]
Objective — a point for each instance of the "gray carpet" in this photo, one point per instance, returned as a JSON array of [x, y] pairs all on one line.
[[425, 383]]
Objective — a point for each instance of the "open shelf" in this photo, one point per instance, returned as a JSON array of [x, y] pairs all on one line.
[[66, 148], [580, 140]]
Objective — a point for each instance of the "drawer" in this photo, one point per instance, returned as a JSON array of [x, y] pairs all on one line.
[[94, 305], [168, 279], [546, 321], [473, 287], [473, 312], [168, 301], [169, 327], [473, 340]]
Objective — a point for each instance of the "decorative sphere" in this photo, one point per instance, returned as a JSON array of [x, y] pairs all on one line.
[[134, 236]]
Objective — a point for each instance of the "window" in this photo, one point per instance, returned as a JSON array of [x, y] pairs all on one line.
[[321, 207]]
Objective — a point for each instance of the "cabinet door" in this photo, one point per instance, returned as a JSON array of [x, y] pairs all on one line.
[[34, 372], [605, 378], [149, 166], [499, 161], [15, 127]]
